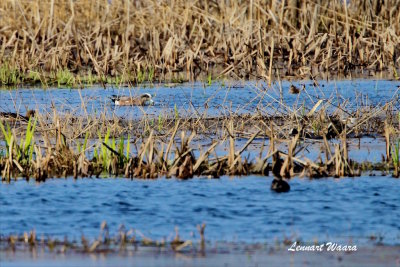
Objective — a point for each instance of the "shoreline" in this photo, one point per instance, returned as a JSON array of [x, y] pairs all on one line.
[[80, 82], [364, 256]]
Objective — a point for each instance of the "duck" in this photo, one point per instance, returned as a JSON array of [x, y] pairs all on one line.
[[143, 100], [337, 126], [295, 90], [12, 116], [278, 184]]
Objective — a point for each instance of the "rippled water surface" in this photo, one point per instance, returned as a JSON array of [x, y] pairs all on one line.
[[194, 99], [234, 209]]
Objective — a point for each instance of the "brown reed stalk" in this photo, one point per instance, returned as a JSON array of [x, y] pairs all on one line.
[[129, 40]]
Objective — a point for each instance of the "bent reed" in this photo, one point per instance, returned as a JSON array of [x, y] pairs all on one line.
[[122, 241], [70, 42], [60, 145]]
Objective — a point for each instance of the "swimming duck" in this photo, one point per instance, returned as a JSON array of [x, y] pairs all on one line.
[[143, 100], [278, 184], [11, 116]]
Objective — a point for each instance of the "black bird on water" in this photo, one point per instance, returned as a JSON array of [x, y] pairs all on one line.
[[278, 184]]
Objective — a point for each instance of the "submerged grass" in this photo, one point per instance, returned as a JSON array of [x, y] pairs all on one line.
[[135, 41]]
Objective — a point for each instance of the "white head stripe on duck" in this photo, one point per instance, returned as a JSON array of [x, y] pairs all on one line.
[[143, 100]]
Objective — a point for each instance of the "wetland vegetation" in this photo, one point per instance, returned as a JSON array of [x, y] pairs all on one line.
[[240, 88], [55, 144], [70, 43]]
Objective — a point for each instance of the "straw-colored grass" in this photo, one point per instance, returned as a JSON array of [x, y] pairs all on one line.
[[122, 241], [65, 140], [62, 145], [133, 41]]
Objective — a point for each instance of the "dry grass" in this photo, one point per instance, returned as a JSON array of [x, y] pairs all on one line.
[[122, 241], [87, 41], [66, 141], [59, 145]]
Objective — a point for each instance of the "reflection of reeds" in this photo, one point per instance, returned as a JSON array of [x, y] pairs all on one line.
[[122, 241], [71, 42]]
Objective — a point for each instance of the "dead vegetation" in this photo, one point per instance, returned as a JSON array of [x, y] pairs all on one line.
[[123, 241], [55, 145], [72, 42]]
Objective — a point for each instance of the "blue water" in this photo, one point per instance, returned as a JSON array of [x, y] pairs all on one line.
[[234, 209], [238, 209], [193, 99]]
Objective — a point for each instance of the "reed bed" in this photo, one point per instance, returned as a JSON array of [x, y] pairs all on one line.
[[114, 41], [61, 145]]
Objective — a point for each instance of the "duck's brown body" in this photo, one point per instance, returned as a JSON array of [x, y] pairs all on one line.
[[11, 116], [296, 90]]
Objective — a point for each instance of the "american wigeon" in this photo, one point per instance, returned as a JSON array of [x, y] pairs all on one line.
[[143, 100], [11, 116]]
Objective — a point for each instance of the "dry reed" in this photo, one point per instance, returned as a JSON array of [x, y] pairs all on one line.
[[47, 146], [72, 42], [122, 241]]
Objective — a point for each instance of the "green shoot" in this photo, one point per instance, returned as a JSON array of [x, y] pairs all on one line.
[[209, 79], [176, 112], [128, 147], [65, 77], [395, 153], [151, 75]]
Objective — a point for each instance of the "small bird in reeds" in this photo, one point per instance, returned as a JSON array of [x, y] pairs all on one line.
[[296, 90], [338, 125], [12, 116], [143, 100]]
